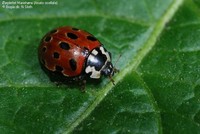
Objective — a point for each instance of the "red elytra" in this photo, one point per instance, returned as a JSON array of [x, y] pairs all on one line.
[[78, 44]]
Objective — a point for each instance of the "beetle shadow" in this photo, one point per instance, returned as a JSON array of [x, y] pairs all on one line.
[[72, 82]]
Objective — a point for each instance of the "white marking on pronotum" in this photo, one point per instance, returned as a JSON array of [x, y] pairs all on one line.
[[95, 74], [92, 58], [94, 52]]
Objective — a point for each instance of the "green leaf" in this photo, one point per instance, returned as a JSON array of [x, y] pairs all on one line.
[[157, 89]]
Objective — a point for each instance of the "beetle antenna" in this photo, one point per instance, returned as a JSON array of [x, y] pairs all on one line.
[[111, 79], [115, 69], [117, 60]]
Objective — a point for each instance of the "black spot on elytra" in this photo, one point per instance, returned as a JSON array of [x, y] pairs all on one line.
[[56, 55], [86, 48], [75, 29], [64, 45], [72, 63], [59, 68], [91, 38], [47, 39], [72, 36], [44, 49]]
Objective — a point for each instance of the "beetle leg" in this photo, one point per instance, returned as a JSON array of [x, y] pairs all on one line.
[[82, 86]]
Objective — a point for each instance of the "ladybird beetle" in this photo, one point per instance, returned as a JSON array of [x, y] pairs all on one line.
[[69, 54]]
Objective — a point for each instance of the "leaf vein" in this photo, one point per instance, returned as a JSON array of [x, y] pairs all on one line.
[[158, 28]]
